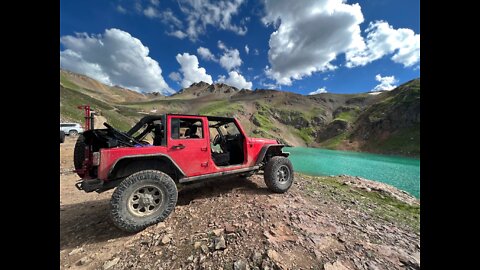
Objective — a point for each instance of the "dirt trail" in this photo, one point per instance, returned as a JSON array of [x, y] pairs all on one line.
[[235, 223], [99, 120]]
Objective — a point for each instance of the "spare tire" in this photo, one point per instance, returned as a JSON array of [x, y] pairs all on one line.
[[79, 153], [62, 136]]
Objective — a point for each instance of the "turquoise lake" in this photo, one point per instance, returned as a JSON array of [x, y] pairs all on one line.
[[401, 172]]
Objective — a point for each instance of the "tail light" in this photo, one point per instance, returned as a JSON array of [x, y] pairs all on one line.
[[96, 158]]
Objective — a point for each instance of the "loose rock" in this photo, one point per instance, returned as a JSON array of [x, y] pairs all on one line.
[[273, 255], [166, 239], [110, 264], [75, 251], [335, 266], [240, 265], [220, 243]]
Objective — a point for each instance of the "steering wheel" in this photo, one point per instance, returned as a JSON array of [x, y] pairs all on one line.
[[217, 139]]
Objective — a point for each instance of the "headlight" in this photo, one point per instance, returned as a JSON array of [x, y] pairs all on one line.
[[96, 158]]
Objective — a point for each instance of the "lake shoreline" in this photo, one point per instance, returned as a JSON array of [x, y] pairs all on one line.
[[371, 186], [390, 154], [402, 173]]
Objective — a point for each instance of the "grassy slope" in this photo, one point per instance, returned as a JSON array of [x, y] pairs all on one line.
[[396, 104], [404, 140]]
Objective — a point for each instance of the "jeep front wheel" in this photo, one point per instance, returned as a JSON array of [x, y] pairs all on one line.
[[278, 174], [143, 199]]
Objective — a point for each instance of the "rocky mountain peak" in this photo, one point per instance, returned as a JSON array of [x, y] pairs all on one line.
[[199, 84]]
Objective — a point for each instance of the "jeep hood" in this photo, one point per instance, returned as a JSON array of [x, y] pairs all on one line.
[[264, 141]]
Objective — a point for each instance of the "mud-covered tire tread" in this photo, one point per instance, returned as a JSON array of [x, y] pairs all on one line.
[[119, 214], [79, 152], [269, 174]]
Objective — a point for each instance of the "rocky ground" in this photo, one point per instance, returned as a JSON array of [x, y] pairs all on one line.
[[320, 223]]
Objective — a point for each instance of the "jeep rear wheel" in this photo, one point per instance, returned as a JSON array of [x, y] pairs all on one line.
[[143, 199], [278, 174], [79, 153]]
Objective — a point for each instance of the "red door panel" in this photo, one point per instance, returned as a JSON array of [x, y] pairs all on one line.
[[191, 154]]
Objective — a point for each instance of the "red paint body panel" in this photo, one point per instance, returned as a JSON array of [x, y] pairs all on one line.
[[194, 157], [108, 157]]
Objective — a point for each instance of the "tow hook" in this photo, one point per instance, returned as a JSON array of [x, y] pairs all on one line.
[[78, 185]]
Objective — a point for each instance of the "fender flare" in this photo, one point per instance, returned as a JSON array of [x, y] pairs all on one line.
[[112, 168], [265, 150]]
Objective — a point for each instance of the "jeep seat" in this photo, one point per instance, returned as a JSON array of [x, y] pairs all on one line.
[[191, 132], [221, 159]]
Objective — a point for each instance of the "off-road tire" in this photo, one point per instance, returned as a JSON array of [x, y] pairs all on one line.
[[121, 215], [72, 133], [272, 171], [62, 136], [79, 152]]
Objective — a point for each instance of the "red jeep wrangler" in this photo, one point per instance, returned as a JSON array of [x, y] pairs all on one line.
[[147, 162]]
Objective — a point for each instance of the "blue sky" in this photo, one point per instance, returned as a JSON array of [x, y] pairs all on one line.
[[313, 45]]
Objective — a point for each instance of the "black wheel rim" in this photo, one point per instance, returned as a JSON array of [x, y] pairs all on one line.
[[145, 201], [283, 174]]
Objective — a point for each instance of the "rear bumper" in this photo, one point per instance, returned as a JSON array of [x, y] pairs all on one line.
[[89, 185]]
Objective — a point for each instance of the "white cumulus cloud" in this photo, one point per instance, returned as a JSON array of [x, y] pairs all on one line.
[[114, 58], [235, 79], [178, 34], [203, 13], [382, 39], [247, 50], [309, 35], [151, 12], [206, 54], [175, 76], [319, 91], [230, 58], [387, 83], [191, 71]]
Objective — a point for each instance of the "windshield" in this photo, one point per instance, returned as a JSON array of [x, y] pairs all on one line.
[[225, 127], [230, 129]]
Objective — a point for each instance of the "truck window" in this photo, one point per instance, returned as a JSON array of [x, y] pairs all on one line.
[[186, 128], [230, 129]]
